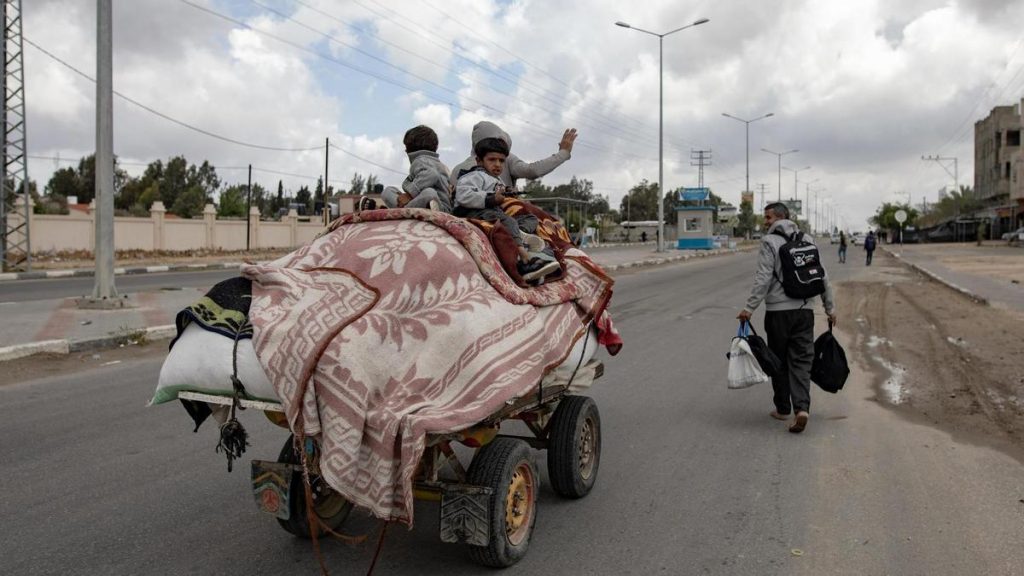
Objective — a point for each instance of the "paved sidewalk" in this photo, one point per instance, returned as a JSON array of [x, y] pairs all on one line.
[[992, 273], [58, 326]]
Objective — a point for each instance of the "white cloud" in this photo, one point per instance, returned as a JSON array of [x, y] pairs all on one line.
[[862, 89]]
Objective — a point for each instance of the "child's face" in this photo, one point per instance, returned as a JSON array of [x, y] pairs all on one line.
[[493, 163]]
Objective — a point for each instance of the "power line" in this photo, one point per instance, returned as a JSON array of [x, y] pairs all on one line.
[[387, 80], [618, 131], [356, 156], [169, 118]]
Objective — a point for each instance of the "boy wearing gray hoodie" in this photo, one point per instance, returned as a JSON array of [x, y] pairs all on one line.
[[788, 322], [479, 194], [427, 185]]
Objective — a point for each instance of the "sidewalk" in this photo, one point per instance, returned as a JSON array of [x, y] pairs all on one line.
[[992, 273], [58, 326]]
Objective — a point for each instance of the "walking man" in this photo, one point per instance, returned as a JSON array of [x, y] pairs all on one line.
[[870, 243], [788, 322], [842, 247]]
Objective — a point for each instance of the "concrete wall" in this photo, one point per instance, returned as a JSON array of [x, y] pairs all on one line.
[[76, 231]]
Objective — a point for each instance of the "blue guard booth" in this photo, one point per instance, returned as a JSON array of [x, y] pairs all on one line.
[[695, 227]]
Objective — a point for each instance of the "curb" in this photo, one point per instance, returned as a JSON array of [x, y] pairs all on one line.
[[155, 333], [926, 272], [87, 272], [64, 347]]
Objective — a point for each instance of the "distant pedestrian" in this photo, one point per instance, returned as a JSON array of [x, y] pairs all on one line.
[[643, 236], [788, 321], [870, 243], [842, 247]]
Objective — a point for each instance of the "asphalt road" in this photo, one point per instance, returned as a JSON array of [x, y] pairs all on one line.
[[54, 288], [694, 479]]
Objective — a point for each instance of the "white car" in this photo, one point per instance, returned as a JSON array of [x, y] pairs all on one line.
[[1018, 233], [857, 239]]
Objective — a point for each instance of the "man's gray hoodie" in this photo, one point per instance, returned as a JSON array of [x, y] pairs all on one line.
[[767, 279], [426, 171], [514, 167]]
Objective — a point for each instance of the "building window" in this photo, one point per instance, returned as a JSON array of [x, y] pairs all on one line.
[[692, 225], [999, 139], [1007, 170], [1013, 137]]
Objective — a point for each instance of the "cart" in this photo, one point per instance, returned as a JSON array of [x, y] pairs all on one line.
[[491, 506]]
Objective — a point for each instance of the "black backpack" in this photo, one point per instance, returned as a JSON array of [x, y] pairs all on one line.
[[829, 369], [803, 276]]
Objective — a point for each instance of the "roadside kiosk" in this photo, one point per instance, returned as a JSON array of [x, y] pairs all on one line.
[[695, 227]]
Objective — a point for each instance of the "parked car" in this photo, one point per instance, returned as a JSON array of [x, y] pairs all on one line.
[[1015, 235], [833, 239], [857, 238]]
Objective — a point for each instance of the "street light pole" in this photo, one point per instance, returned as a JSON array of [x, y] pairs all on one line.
[[748, 123], [661, 116], [780, 155], [796, 193]]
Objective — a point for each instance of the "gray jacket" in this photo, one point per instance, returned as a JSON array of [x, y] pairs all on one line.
[[475, 191], [427, 171], [767, 283], [514, 167]]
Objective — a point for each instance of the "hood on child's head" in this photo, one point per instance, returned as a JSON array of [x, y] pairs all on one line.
[[485, 129]]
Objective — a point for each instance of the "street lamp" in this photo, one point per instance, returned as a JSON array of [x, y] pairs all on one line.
[[807, 198], [661, 116], [780, 155], [796, 194], [748, 123]]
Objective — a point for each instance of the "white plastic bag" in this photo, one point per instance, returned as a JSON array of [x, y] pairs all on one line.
[[744, 371]]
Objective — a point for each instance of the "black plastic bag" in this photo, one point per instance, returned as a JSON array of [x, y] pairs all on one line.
[[767, 359], [830, 369]]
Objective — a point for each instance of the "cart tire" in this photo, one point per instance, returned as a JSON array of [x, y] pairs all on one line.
[[574, 446], [506, 466], [331, 507]]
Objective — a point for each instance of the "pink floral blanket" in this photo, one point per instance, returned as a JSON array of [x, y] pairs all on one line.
[[400, 323]]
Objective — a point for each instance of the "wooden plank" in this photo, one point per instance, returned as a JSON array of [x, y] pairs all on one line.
[[226, 401]]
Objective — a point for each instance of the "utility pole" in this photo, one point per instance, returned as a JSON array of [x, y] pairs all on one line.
[[761, 186], [104, 294], [248, 209], [15, 245], [327, 165]]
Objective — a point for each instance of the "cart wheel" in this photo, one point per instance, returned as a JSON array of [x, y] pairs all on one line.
[[574, 448], [331, 507], [506, 466]]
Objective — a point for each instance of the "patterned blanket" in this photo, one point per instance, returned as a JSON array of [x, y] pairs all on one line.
[[400, 323]]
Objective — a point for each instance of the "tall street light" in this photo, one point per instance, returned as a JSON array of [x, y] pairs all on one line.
[[796, 172], [780, 155], [748, 123], [661, 116]]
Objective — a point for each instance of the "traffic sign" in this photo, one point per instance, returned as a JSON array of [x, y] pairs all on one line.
[[901, 216]]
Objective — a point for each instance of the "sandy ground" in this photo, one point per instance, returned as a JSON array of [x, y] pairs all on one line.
[[997, 260], [132, 258], [936, 356]]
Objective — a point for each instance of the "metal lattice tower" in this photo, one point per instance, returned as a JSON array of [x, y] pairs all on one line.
[[15, 250]]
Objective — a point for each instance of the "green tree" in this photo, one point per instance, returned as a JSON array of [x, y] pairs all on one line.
[[371, 182], [174, 181], [358, 184], [232, 202], [190, 203], [64, 183], [641, 202], [304, 198], [885, 216], [747, 218]]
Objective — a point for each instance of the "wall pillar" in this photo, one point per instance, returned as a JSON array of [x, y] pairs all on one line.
[[156, 213], [293, 227], [254, 227], [210, 222]]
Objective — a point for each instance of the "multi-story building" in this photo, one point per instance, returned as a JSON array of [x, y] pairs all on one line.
[[999, 168]]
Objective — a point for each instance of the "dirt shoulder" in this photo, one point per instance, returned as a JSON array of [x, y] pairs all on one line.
[[131, 258], [936, 356]]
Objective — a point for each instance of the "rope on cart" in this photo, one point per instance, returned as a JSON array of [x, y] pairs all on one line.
[[233, 437]]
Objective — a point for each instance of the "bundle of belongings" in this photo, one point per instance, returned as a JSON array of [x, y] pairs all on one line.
[[392, 325]]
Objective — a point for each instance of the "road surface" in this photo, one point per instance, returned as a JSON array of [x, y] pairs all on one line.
[[694, 478]]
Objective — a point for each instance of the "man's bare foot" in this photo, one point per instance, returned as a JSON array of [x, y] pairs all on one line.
[[800, 422]]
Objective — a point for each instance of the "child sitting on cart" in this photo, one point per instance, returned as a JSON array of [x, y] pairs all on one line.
[[427, 185], [479, 194]]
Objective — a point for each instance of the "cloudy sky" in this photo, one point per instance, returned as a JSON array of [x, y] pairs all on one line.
[[862, 88]]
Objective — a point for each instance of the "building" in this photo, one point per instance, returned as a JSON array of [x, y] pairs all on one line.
[[999, 168]]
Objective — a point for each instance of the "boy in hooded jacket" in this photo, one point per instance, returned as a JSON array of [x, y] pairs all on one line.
[[427, 185], [479, 194]]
